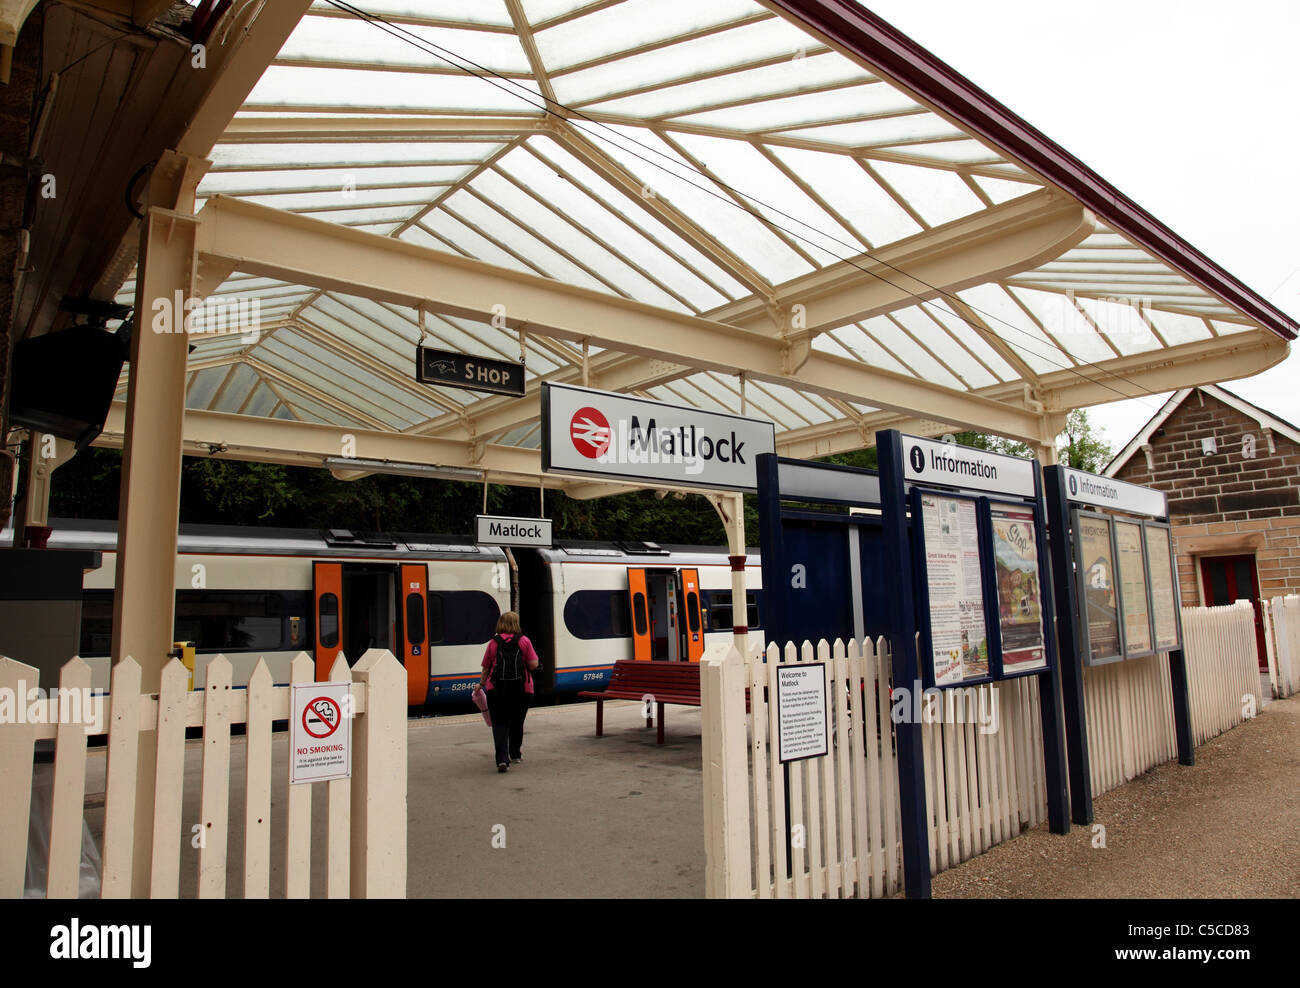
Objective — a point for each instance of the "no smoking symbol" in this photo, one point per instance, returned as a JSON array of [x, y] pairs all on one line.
[[321, 717]]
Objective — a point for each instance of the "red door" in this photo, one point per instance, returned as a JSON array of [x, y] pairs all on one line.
[[1227, 579], [694, 615], [327, 587], [640, 605], [415, 621]]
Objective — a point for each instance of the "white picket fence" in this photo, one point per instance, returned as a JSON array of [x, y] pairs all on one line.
[[1282, 634], [1130, 719], [365, 838], [840, 836], [834, 830], [1222, 667]]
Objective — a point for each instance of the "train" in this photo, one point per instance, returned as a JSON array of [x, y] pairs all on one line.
[[433, 601]]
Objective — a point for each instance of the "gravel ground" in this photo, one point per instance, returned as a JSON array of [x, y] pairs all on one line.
[[1224, 827]]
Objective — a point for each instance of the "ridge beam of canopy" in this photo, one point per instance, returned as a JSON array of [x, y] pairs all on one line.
[[256, 439], [273, 243]]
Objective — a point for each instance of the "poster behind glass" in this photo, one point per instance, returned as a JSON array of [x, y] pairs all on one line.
[[1098, 591], [1133, 588], [1020, 604], [958, 637], [1164, 601]]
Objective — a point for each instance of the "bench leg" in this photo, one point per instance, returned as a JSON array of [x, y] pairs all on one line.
[[661, 723], [600, 718], [649, 714]]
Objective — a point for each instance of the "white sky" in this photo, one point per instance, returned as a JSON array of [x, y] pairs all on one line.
[[1189, 107]]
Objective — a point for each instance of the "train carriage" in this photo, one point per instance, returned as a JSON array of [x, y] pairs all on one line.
[[432, 600]]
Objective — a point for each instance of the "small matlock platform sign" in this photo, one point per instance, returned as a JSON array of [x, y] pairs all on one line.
[[462, 370], [320, 732], [496, 530]]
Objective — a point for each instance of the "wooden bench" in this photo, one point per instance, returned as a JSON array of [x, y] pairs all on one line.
[[659, 682]]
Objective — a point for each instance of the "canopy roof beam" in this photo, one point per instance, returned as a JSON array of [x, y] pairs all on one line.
[[289, 247], [1143, 374], [257, 439]]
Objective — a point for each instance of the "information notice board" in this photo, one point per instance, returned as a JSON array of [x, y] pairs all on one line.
[[1133, 588], [1020, 601], [1164, 600], [958, 636], [1098, 591]]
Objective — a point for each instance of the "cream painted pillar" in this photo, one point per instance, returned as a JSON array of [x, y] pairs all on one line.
[[731, 509], [149, 503], [1050, 426]]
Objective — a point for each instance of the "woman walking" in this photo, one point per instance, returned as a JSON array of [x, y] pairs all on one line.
[[507, 679]]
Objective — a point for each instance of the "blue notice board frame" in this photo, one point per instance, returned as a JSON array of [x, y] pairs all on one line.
[[1072, 494], [997, 646]]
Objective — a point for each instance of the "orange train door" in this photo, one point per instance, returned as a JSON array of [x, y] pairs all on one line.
[[415, 641], [636, 589], [327, 590], [694, 631]]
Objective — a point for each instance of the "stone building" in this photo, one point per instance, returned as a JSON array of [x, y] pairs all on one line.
[[1232, 474]]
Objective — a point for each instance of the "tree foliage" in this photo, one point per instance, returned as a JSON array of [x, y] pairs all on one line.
[[1083, 447], [229, 492]]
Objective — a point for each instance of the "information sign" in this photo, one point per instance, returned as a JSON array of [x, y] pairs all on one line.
[[1164, 600], [803, 717], [958, 637], [1020, 601], [1133, 588]]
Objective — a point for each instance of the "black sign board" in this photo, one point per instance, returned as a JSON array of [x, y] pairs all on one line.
[[461, 370]]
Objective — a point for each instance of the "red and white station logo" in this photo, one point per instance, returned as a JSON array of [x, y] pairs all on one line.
[[589, 430]]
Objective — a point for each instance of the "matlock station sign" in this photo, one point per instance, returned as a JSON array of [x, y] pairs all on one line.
[[604, 434]]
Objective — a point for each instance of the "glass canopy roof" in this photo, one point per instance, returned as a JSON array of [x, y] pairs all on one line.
[[690, 156]]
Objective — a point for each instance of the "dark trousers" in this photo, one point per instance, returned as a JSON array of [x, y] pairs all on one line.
[[508, 709]]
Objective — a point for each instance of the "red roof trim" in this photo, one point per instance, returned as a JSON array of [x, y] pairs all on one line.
[[901, 59]]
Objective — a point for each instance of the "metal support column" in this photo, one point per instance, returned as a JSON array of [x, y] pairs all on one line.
[[911, 755]]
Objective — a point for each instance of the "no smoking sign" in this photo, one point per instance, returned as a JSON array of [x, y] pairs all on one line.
[[320, 732]]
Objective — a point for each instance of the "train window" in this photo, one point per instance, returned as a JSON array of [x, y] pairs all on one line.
[[693, 611], [415, 618], [437, 631], [215, 620], [96, 622], [620, 615], [462, 617], [639, 614], [230, 620], [593, 614], [720, 614], [329, 620]]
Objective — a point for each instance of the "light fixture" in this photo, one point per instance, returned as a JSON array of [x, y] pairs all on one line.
[[397, 467]]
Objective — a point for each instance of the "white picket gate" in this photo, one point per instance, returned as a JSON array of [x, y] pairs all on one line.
[[835, 830], [1282, 633], [365, 839]]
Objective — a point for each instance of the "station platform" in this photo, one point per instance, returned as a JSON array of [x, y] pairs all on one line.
[[612, 817]]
